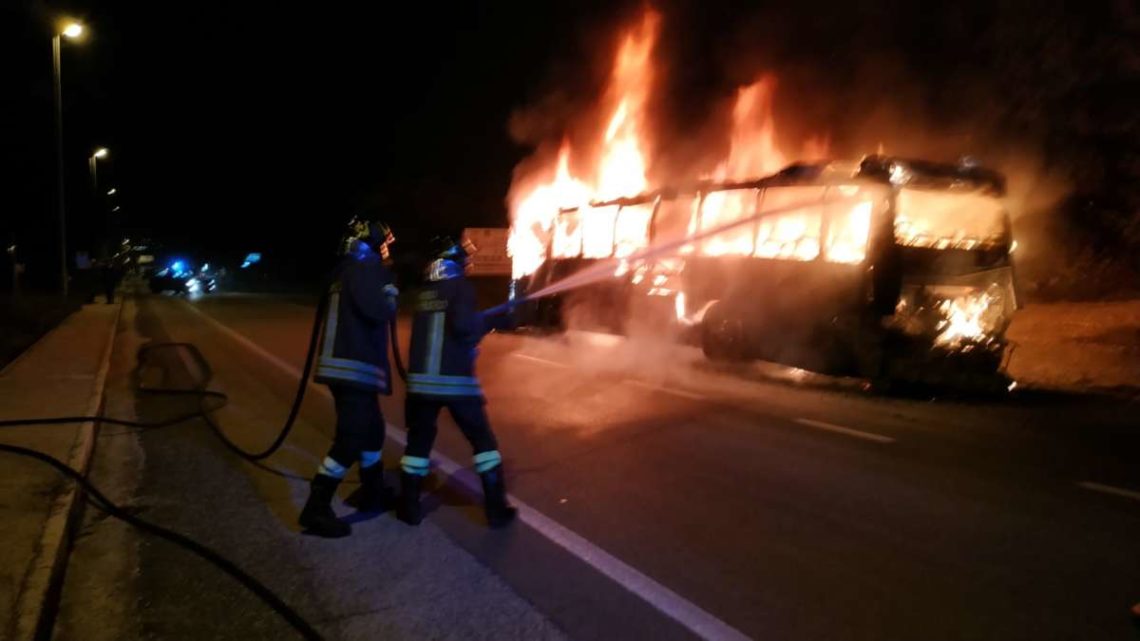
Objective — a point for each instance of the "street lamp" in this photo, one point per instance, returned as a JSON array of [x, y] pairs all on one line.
[[71, 30], [112, 191], [93, 164]]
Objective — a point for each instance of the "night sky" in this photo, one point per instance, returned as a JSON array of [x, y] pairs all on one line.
[[243, 126]]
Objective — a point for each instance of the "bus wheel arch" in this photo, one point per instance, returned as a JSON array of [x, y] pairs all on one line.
[[723, 334]]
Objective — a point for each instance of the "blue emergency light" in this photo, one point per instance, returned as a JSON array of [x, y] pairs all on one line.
[[250, 259]]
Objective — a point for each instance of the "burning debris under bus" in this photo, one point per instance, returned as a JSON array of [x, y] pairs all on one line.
[[887, 268]]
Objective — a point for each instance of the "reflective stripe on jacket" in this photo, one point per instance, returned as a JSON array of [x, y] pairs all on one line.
[[354, 348], [446, 331]]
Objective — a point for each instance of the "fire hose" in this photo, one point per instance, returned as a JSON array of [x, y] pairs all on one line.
[[99, 500]]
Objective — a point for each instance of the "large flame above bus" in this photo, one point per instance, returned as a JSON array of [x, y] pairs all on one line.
[[618, 165]]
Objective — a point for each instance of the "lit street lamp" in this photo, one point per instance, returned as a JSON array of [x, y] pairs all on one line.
[[112, 191], [93, 164], [71, 30]]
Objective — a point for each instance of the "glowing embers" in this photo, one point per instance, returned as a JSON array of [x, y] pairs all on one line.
[[972, 317], [958, 317]]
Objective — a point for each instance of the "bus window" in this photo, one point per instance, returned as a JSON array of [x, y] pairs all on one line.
[[946, 219], [675, 219], [722, 208], [849, 210], [632, 230], [598, 231], [567, 239], [793, 234]]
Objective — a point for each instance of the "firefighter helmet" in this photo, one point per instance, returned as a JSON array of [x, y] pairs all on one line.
[[376, 234], [447, 248], [449, 257]]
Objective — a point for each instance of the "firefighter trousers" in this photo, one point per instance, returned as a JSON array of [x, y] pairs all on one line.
[[421, 413], [359, 424]]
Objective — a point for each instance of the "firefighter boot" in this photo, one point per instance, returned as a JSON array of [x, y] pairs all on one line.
[[499, 512], [408, 507], [373, 495], [317, 517]]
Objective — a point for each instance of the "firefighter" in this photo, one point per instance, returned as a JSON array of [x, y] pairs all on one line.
[[446, 331], [353, 362]]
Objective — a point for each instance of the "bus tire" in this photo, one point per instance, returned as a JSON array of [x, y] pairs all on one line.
[[722, 335]]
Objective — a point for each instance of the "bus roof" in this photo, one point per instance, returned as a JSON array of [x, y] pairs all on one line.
[[891, 170]]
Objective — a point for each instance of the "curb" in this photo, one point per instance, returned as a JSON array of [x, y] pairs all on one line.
[[37, 602]]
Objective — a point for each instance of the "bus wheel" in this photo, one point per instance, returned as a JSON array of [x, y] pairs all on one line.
[[722, 335]]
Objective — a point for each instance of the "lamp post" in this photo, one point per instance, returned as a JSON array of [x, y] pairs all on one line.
[[72, 31], [93, 164]]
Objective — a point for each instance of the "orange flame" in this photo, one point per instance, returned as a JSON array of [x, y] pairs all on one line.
[[620, 169], [753, 150], [534, 213]]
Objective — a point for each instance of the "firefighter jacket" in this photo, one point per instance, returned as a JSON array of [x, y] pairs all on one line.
[[446, 331], [354, 348]]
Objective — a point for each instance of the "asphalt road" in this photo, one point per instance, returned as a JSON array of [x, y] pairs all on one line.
[[666, 498]]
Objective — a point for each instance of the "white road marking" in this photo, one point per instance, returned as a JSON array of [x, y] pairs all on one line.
[[1109, 489], [667, 390], [536, 359], [839, 429], [666, 601]]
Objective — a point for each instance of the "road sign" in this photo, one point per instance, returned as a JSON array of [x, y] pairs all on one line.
[[491, 258]]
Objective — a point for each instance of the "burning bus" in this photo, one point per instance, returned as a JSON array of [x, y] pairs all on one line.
[[888, 268]]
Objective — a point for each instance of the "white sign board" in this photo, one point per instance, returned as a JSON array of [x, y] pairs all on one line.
[[490, 257]]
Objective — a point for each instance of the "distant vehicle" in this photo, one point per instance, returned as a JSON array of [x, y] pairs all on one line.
[[179, 278], [901, 272], [202, 283], [164, 281]]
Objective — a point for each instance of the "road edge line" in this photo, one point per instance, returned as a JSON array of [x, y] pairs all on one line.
[[670, 604], [847, 431], [1109, 489], [43, 584]]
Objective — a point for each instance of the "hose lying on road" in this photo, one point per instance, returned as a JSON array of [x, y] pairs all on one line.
[[205, 412], [99, 500]]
